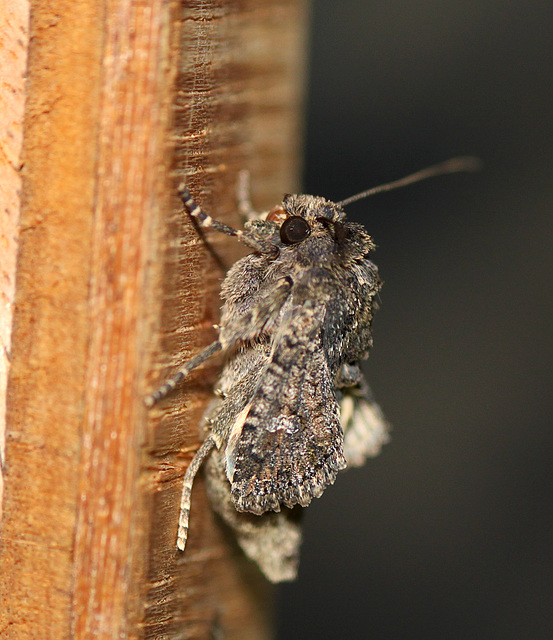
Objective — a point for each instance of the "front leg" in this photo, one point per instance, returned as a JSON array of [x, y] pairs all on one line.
[[247, 236]]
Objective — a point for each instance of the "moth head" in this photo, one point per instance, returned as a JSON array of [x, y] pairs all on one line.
[[300, 215], [311, 208]]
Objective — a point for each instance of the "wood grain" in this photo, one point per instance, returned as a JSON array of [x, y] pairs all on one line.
[[14, 43], [114, 289]]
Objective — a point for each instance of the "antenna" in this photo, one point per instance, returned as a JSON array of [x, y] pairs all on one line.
[[454, 165]]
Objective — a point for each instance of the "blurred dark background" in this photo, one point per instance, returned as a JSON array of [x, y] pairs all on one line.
[[449, 532]]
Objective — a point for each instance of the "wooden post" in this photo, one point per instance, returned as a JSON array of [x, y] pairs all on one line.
[[113, 289]]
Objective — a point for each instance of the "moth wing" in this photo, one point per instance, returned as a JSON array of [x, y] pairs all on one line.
[[288, 445], [365, 427], [273, 542]]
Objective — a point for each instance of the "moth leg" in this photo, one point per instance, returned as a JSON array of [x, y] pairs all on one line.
[[247, 236], [184, 516], [170, 384], [243, 194]]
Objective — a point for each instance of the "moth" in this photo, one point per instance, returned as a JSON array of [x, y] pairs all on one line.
[[292, 407]]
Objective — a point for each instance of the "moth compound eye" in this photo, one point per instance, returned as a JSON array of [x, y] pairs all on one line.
[[294, 230], [278, 215]]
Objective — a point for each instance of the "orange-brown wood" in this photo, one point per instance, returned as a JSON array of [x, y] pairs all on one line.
[[14, 42], [114, 290], [45, 404]]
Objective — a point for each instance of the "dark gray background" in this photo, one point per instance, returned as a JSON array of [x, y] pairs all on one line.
[[449, 532]]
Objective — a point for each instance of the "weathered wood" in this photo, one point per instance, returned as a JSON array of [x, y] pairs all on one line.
[[114, 289], [14, 42], [50, 330]]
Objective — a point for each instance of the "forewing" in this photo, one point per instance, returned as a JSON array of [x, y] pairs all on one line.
[[288, 446], [272, 541]]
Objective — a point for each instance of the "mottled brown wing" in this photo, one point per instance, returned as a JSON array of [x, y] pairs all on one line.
[[287, 447]]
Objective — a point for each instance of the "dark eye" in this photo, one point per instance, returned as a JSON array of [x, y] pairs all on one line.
[[294, 230]]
